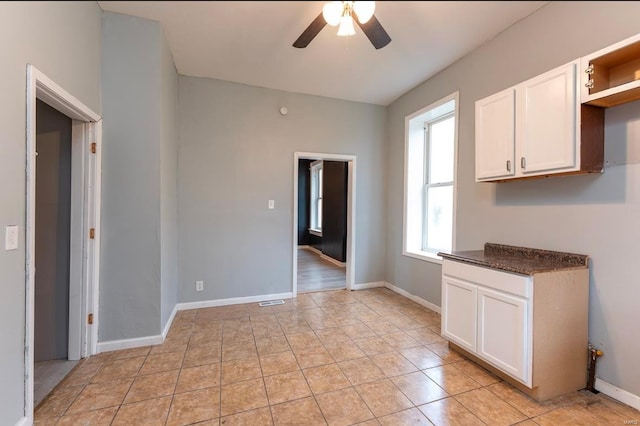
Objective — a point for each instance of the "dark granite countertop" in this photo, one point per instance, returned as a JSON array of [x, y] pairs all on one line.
[[521, 260]]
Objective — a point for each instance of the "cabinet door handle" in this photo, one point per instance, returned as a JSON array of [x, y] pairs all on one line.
[[589, 84], [589, 69], [523, 163], [508, 165]]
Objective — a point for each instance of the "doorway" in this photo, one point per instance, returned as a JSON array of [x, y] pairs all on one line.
[[62, 222], [52, 249], [324, 226]]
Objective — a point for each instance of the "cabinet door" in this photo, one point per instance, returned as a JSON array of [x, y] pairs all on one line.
[[546, 121], [459, 304], [503, 338], [495, 137]]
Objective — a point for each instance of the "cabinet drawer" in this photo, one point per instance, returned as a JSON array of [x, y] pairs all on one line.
[[519, 285]]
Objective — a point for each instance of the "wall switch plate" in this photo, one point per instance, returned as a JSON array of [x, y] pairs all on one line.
[[11, 237], [199, 285], [272, 204]]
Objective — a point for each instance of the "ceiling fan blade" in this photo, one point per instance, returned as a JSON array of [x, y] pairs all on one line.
[[309, 34], [375, 32]]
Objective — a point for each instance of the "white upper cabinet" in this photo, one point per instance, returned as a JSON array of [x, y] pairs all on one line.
[[534, 129], [495, 135], [546, 121]]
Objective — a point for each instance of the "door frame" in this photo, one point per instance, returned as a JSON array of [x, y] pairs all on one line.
[[351, 213], [85, 252]]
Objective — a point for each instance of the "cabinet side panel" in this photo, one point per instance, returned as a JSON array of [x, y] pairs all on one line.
[[592, 138], [560, 331]]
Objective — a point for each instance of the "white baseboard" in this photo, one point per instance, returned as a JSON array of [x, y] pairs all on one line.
[[232, 301], [310, 248], [167, 326], [115, 345], [25, 421], [365, 286], [332, 260], [417, 299], [615, 392], [137, 342], [323, 256]]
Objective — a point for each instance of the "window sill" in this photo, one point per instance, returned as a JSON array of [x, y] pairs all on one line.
[[424, 255], [316, 232]]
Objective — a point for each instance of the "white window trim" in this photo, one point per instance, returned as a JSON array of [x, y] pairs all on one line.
[[426, 186], [421, 254], [314, 230]]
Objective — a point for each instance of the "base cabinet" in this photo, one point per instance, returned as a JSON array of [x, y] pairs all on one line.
[[460, 300], [529, 330], [503, 337]]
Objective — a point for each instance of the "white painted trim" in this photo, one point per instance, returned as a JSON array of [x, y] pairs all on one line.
[[323, 256], [58, 98], [41, 87], [77, 240], [428, 257], [315, 232], [419, 300], [30, 226], [25, 421], [334, 261], [615, 392], [232, 301], [137, 342], [365, 286], [167, 326], [456, 97], [350, 273], [311, 249], [93, 293]]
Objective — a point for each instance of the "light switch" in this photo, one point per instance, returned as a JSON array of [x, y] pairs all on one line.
[[11, 237], [272, 204]]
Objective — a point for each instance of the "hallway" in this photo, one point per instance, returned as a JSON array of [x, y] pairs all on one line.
[[316, 273]]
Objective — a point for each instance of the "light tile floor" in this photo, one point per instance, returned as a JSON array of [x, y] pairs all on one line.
[[369, 357]]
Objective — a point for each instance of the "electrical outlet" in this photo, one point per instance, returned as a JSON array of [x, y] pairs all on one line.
[[199, 285], [272, 204]]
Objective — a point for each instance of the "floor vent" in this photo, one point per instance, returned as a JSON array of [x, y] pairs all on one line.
[[271, 303]]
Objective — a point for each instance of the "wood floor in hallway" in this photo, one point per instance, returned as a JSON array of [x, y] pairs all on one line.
[[316, 273]]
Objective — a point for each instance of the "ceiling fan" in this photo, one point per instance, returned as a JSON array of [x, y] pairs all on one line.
[[342, 13]]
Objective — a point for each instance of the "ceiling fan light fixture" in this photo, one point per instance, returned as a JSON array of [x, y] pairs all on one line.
[[364, 10], [346, 26], [332, 12]]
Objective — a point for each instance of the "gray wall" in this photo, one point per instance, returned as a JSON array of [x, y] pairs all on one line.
[[139, 161], [53, 233], [62, 39], [168, 182], [594, 215], [236, 153]]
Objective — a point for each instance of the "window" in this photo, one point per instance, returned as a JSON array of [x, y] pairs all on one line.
[[430, 156], [316, 198]]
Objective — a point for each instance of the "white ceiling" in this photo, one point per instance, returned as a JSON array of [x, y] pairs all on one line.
[[251, 42]]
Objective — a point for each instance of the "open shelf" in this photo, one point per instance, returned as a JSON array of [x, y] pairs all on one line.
[[612, 75]]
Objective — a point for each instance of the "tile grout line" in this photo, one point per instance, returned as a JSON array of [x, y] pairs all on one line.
[[264, 384], [327, 306], [313, 395]]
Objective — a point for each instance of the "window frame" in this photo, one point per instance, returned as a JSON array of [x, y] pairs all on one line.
[[427, 184], [315, 173], [415, 135]]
